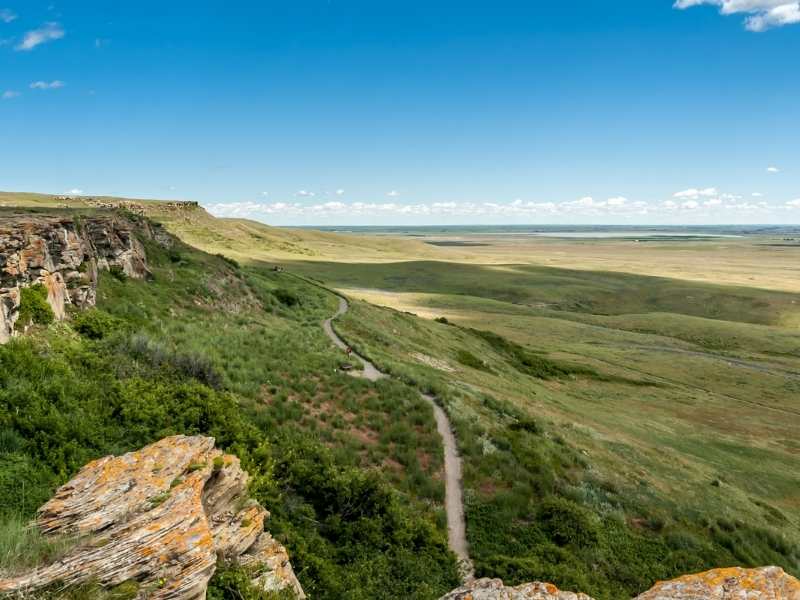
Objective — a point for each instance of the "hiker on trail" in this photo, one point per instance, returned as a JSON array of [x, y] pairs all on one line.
[[349, 350]]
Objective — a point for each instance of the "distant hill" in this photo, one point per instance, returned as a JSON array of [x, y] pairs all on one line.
[[243, 239]]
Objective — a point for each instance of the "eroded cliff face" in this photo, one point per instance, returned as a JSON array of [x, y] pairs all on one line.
[[65, 253], [767, 583], [162, 517]]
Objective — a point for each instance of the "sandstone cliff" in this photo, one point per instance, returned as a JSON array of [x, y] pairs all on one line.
[[768, 583], [161, 517], [65, 253]]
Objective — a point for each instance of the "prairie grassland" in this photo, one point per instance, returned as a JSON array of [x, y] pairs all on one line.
[[680, 421], [762, 261], [675, 446], [672, 440], [637, 418]]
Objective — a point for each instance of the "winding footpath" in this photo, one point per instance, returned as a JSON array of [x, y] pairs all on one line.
[[454, 504]]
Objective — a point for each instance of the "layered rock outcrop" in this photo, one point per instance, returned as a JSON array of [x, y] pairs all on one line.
[[161, 517], [767, 583], [493, 589], [64, 253]]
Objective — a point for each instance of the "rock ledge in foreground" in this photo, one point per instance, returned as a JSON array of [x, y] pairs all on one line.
[[493, 589], [766, 583], [160, 516]]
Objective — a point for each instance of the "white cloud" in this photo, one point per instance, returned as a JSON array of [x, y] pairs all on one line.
[[340, 192], [46, 33], [393, 194], [700, 205], [761, 14], [757, 195], [47, 85], [785, 14], [6, 15], [9, 94], [305, 194], [773, 170], [696, 194], [265, 194], [75, 192]]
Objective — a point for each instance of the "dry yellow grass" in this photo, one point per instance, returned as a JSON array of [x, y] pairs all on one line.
[[750, 262]]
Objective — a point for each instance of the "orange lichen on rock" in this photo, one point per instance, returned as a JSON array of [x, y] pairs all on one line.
[[158, 517], [767, 583]]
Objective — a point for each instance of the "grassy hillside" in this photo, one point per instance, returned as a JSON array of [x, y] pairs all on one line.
[[350, 471], [595, 463], [621, 429], [616, 428], [563, 290]]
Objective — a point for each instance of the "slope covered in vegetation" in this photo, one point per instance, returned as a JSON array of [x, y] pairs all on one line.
[[588, 474], [349, 471]]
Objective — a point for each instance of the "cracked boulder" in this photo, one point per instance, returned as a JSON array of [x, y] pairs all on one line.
[[161, 517]]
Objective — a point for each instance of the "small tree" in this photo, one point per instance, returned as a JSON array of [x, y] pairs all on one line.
[[34, 307]]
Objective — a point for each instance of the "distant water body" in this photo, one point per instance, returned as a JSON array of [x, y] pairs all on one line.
[[561, 231]]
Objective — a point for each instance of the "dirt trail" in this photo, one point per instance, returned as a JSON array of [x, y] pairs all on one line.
[[454, 504]]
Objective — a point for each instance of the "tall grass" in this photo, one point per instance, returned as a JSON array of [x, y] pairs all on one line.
[[23, 547]]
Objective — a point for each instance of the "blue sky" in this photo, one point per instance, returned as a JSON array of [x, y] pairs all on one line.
[[379, 112]]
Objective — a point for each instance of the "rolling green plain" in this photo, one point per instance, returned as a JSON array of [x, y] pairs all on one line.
[[666, 440], [626, 412], [674, 426]]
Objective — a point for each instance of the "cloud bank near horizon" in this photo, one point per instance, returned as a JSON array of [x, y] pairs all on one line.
[[707, 204]]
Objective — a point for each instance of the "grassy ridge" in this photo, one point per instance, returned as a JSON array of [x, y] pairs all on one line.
[[349, 471]]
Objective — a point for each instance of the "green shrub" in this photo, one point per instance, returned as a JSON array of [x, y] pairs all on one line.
[[234, 583], [34, 307], [566, 523], [95, 324], [523, 360], [159, 499], [142, 347], [552, 564], [526, 424], [286, 297], [118, 273], [231, 262], [468, 359]]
